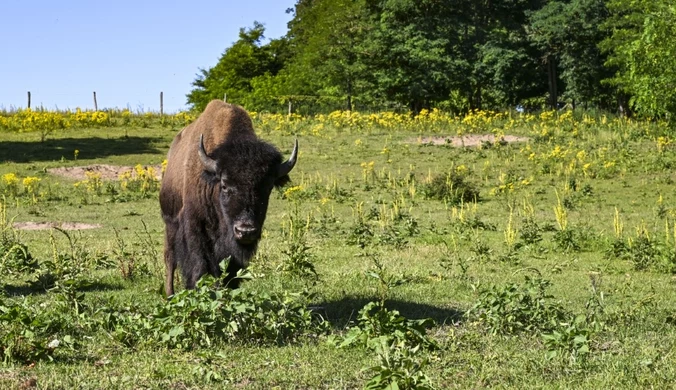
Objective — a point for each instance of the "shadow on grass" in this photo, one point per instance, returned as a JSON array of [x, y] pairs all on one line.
[[35, 289], [340, 313], [95, 147]]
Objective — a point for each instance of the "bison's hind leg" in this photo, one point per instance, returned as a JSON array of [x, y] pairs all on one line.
[[171, 229]]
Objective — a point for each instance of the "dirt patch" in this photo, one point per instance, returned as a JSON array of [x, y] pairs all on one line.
[[50, 225], [107, 172], [469, 140]]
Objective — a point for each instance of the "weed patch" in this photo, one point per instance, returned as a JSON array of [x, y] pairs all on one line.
[[517, 308], [29, 334], [209, 315]]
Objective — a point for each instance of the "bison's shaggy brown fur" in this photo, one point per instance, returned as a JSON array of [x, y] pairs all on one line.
[[214, 200]]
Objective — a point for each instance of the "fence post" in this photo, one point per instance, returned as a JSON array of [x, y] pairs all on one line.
[[225, 97], [161, 103], [289, 107], [96, 105], [29, 99]]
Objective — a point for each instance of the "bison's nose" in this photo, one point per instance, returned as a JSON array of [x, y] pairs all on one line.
[[246, 234]]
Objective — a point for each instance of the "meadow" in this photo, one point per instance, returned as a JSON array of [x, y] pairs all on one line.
[[389, 262]]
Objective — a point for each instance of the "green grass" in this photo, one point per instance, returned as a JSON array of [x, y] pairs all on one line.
[[440, 259]]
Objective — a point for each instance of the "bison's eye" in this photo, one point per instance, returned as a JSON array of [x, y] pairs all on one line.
[[228, 191]]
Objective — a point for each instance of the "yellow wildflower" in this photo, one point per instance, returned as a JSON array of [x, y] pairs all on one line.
[[10, 179], [581, 155], [30, 184], [292, 192]]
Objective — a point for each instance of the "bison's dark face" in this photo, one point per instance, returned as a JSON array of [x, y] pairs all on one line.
[[244, 174]]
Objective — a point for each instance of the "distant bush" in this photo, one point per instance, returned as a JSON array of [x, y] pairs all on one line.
[[14, 255], [645, 253], [452, 188]]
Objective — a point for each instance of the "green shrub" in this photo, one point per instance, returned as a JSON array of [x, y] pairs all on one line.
[[29, 334], [644, 253], [14, 255], [199, 317], [208, 314], [376, 321], [530, 232], [297, 255], [65, 270], [570, 338], [397, 341], [452, 188], [15, 258], [517, 308], [399, 366]]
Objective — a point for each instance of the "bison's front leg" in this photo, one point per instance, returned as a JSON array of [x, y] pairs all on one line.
[[194, 262], [230, 280], [193, 269]]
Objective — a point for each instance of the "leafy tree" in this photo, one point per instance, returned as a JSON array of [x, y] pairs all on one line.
[[503, 69], [582, 61], [496, 61], [568, 34], [548, 31], [326, 38], [643, 50], [456, 55], [241, 63], [407, 51]]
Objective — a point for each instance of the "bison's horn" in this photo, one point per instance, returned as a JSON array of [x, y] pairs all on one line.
[[208, 162], [287, 166]]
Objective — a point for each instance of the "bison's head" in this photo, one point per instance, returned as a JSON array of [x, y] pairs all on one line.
[[243, 173]]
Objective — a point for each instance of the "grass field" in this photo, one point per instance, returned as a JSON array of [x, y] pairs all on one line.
[[548, 263]]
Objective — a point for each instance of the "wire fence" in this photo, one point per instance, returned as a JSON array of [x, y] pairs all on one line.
[[296, 104]]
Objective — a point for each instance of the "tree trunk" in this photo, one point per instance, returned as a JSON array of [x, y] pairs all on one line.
[[349, 95], [415, 106], [623, 105], [553, 93]]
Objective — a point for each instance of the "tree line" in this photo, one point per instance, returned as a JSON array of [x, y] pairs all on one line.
[[616, 55]]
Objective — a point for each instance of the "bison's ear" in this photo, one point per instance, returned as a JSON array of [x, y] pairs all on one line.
[[282, 181]]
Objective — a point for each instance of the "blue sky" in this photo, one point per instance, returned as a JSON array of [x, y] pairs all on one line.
[[126, 51]]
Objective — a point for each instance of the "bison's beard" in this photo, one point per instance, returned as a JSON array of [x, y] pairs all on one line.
[[244, 252], [237, 254]]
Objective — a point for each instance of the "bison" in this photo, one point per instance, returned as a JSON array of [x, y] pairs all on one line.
[[215, 192]]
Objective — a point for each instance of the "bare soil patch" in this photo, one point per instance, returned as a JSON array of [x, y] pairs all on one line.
[[50, 225], [470, 140], [108, 172]]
